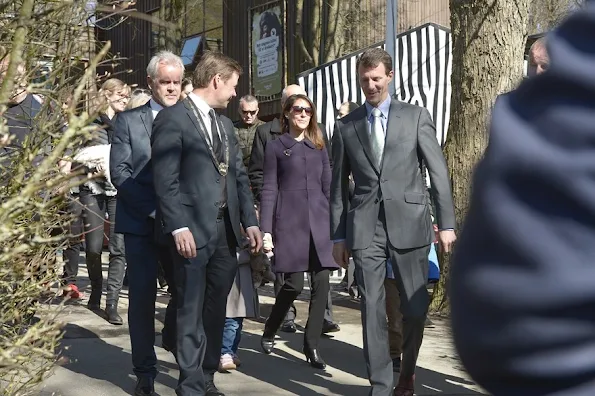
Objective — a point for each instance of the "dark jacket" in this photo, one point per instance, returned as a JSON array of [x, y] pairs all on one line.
[[295, 203], [245, 134], [131, 173], [182, 167], [268, 131]]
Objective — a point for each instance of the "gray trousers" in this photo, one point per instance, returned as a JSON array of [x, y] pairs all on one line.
[[411, 272], [292, 313]]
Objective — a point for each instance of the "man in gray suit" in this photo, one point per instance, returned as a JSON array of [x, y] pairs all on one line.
[[131, 173], [383, 144]]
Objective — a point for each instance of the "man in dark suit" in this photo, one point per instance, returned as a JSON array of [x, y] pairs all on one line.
[[131, 172], [204, 194], [265, 133], [382, 144], [522, 294]]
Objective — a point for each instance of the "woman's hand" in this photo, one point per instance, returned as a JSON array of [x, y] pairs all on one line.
[[267, 243]]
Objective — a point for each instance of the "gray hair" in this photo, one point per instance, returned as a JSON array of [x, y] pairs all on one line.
[[166, 58], [248, 99]]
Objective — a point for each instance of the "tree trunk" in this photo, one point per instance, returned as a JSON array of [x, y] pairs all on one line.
[[488, 52], [334, 31]]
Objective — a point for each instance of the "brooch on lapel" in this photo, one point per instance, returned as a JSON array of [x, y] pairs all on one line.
[[287, 152]]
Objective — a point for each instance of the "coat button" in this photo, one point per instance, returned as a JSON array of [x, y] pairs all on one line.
[[217, 203], [376, 201], [217, 180]]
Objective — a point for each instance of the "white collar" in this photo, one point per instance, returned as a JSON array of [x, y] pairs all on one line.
[[200, 103], [155, 106]]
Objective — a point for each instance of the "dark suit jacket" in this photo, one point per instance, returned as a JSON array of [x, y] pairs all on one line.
[[522, 281], [187, 181], [269, 131], [410, 139], [130, 168]]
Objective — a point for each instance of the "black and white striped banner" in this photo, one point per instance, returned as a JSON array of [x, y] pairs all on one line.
[[422, 77]]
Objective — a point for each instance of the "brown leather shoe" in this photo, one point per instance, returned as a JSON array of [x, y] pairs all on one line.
[[405, 387]]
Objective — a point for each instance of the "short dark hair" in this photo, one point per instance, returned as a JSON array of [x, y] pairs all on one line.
[[212, 63], [373, 57]]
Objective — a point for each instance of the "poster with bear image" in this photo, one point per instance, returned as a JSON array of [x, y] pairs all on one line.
[[267, 51]]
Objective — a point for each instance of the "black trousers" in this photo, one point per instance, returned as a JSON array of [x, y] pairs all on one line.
[[95, 206], [292, 312], [71, 254], [144, 256], [203, 284], [291, 289]]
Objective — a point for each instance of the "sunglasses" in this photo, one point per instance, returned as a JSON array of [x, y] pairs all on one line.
[[140, 91], [300, 109], [251, 112]]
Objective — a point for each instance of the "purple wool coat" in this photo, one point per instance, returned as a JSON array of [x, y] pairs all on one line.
[[295, 203]]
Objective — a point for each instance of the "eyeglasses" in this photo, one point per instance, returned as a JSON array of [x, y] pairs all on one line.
[[251, 112], [300, 109]]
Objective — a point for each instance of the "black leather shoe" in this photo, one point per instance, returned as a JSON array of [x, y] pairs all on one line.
[[397, 365], [94, 300], [111, 310], [313, 357], [144, 387], [330, 327], [267, 343], [212, 389], [288, 327]]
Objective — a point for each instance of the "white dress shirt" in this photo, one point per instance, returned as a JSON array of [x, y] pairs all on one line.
[[203, 112]]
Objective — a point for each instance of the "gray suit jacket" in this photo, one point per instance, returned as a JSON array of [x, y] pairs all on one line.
[[186, 179], [411, 139], [130, 168]]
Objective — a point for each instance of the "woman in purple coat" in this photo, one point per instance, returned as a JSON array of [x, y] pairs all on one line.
[[295, 214]]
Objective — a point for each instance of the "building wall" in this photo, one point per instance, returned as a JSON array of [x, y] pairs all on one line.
[[130, 44]]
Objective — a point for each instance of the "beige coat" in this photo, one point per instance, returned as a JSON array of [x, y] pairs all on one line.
[[242, 300]]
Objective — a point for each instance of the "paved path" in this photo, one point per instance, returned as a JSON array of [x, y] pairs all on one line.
[[96, 358]]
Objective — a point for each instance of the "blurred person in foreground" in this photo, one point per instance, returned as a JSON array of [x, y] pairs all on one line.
[[522, 292]]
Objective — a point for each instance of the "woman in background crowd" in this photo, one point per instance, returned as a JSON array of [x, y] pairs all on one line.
[[98, 197]]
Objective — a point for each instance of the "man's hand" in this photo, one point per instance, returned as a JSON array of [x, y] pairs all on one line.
[[446, 238], [255, 237], [341, 254], [185, 244]]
